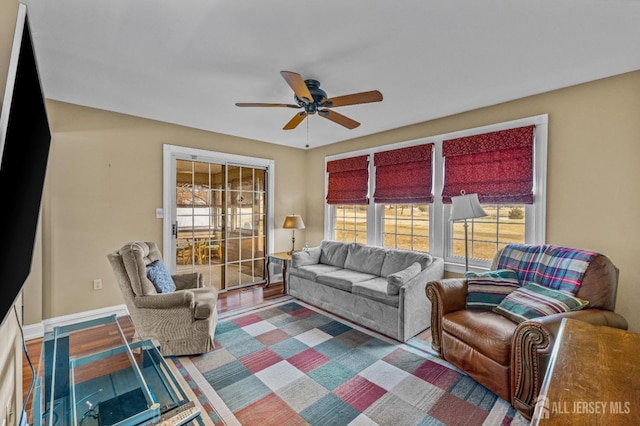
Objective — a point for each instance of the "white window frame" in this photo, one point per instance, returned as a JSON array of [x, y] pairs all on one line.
[[439, 226]]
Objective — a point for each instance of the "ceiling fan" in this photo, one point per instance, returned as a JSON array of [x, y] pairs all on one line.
[[312, 99]]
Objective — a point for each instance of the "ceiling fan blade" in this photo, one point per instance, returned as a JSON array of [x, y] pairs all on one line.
[[297, 119], [353, 99], [253, 104], [297, 84], [339, 118]]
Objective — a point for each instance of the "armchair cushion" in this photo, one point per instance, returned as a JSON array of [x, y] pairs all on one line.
[[533, 300], [485, 290], [160, 277], [488, 333]]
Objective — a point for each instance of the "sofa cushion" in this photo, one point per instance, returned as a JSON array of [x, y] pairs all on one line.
[[343, 279], [487, 332], [533, 301], [400, 278], [311, 272], [376, 289], [485, 290], [333, 253], [306, 257], [160, 277], [397, 260], [367, 259]]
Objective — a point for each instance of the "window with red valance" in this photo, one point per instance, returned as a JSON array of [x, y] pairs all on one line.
[[498, 166], [348, 180], [403, 176]]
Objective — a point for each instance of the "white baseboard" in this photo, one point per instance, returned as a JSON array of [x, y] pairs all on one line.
[[34, 331]]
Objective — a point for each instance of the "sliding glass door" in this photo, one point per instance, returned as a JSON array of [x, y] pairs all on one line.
[[219, 221]]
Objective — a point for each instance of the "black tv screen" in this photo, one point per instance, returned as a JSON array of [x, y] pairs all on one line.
[[24, 144]]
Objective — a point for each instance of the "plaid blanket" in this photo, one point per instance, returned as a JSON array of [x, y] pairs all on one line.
[[559, 268]]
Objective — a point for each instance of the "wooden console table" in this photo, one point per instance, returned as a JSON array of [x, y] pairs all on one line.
[[593, 377]]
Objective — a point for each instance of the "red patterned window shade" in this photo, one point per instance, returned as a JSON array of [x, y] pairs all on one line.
[[403, 176], [348, 180], [498, 166]]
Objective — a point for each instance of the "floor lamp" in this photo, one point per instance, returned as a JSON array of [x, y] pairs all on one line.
[[466, 206], [293, 221]]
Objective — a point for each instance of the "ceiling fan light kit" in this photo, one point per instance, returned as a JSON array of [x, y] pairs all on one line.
[[312, 99]]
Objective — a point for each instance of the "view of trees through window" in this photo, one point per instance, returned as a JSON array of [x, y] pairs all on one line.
[[351, 223], [504, 224], [406, 226]]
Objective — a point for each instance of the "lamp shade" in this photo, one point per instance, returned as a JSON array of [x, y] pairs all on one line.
[[466, 206], [293, 221]]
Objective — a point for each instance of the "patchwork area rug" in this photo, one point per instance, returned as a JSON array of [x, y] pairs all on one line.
[[292, 364]]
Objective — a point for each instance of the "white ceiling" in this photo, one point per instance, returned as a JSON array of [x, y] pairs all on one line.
[[187, 62]]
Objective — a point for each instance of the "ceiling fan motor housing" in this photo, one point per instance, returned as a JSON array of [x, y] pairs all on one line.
[[318, 95]]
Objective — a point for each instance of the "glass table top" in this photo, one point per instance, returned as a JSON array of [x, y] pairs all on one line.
[[122, 382]]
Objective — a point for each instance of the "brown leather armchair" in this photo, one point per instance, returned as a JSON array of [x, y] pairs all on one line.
[[511, 359]]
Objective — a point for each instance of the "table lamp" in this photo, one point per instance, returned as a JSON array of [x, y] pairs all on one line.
[[466, 206], [293, 221]]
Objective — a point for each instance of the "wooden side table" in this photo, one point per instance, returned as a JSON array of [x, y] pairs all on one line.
[[281, 258], [593, 377]]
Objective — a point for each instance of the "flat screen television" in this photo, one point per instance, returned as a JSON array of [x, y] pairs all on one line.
[[25, 137]]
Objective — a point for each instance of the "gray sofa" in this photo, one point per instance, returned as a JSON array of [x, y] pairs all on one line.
[[379, 288]]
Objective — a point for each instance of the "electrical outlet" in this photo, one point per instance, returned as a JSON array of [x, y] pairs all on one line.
[[97, 284]]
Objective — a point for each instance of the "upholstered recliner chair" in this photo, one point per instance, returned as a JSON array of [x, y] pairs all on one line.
[[182, 321], [508, 357]]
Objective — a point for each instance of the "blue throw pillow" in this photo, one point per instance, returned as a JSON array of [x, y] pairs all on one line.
[[159, 275]]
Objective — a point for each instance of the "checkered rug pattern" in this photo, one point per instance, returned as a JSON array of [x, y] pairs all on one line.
[[291, 364]]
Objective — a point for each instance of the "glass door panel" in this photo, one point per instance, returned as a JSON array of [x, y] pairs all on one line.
[[220, 217]]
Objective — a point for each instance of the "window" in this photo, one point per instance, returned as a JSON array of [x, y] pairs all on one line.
[[350, 223], [406, 226], [498, 167], [504, 224], [423, 224]]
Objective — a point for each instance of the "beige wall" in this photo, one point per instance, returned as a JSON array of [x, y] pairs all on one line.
[[10, 338], [104, 183], [105, 174], [593, 172]]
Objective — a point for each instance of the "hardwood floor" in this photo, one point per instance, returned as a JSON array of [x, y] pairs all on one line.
[[108, 335]]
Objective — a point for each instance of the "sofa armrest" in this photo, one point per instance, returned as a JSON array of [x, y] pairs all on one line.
[[446, 296], [306, 257], [188, 280], [415, 309], [532, 344]]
